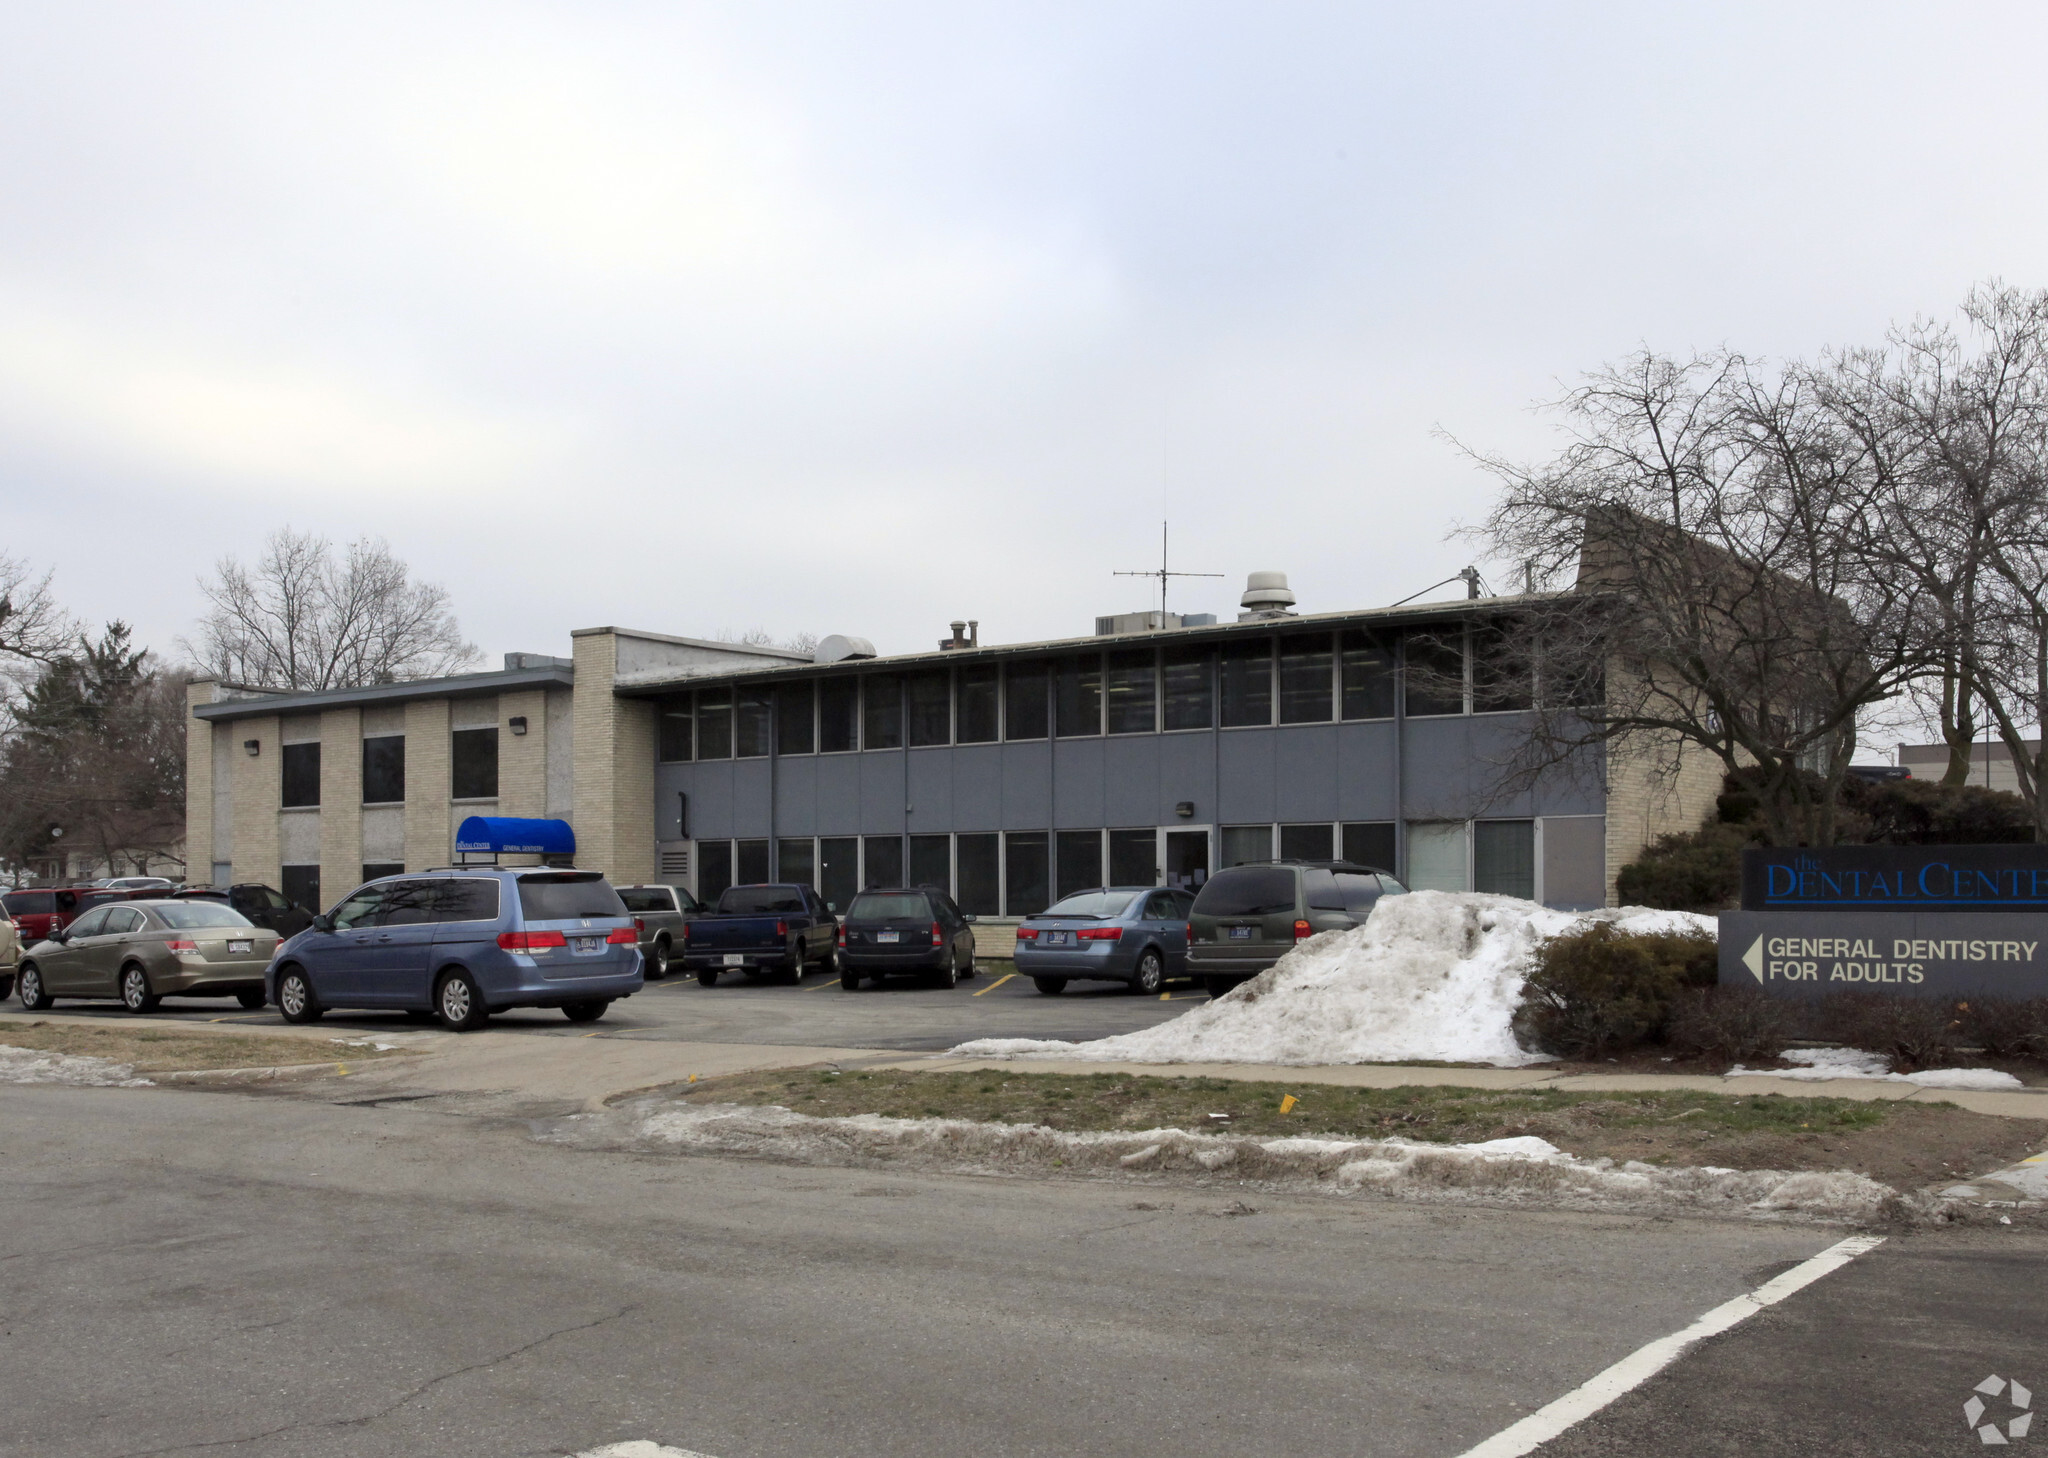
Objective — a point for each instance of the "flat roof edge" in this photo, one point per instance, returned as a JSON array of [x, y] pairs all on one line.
[[459, 686]]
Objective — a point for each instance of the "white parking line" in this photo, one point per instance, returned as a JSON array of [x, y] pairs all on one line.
[[1646, 1362]]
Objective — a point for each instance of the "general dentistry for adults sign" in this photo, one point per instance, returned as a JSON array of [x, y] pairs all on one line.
[[1953, 921]]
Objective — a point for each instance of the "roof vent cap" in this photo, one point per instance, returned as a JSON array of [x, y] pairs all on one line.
[[1266, 592], [835, 646]]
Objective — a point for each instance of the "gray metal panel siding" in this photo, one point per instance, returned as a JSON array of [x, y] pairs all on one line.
[[1246, 778], [1305, 772], [881, 793], [1186, 771], [1365, 771], [1077, 793], [1130, 781], [977, 787], [839, 778], [1027, 785], [750, 797], [931, 789], [796, 795]]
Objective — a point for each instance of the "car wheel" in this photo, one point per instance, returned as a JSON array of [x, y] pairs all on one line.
[[949, 975], [970, 969], [135, 993], [793, 969], [250, 1000], [585, 1012], [656, 962], [1151, 974], [460, 1002], [707, 977], [1050, 986], [28, 985], [830, 966], [849, 980], [296, 1002]]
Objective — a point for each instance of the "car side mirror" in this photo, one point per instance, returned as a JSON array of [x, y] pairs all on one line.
[[323, 922], [967, 916], [60, 934]]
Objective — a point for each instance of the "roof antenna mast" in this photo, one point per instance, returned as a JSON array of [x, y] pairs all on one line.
[[1162, 573]]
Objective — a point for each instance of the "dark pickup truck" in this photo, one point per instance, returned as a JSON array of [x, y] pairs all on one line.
[[755, 929]]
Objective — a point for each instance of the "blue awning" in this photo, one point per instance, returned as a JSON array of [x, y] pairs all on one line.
[[504, 835]]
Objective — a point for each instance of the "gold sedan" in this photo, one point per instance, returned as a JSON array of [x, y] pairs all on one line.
[[142, 951]]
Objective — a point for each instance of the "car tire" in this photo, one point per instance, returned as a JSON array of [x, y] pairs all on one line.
[[136, 995], [794, 968], [655, 963], [586, 1012], [296, 1000], [250, 1000], [28, 986], [459, 1002], [707, 977], [1151, 974], [970, 969], [830, 966], [1050, 986], [849, 980], [949, 975]]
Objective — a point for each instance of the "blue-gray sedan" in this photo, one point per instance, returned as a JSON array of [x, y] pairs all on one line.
[[1136, 935]]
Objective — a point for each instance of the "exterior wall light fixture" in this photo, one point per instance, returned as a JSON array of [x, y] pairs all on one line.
[[1185, 809], [517, 723], [254, 746]]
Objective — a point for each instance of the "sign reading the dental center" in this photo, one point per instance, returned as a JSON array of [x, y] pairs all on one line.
[[1921, 954], [1953, 878]]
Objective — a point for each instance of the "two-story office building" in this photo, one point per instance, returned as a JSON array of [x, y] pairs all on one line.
[[1155, 750]]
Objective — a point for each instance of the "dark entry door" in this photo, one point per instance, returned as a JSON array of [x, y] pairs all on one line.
[[1187, 859]]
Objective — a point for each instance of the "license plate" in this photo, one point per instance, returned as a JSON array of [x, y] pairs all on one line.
[[1053, 939], [586, 946], [735, 959], [240, 947], [1240, 934], [888, 936]]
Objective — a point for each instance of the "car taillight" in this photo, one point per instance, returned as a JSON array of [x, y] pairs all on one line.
[[842, 934], [686, 933], [181, 944], [782, 928], [937, 935], [639, 924], [530, 941], [1099, 934], [625, 936], [1027, 933], [1303, 931], [1191, 931]]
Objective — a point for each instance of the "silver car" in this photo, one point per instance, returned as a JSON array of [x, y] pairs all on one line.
[[659, 912], [142, 951], [10, 952]]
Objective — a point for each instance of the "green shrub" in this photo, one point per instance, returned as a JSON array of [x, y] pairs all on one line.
[[1736, 1023], [1599, 990], [1698, 871]]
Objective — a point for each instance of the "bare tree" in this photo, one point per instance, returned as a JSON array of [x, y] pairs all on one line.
[[1706, 514], [303, 618], [33, 629]]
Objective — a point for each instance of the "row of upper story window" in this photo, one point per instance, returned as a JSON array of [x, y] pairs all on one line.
[[1291, 678], [472, 769]]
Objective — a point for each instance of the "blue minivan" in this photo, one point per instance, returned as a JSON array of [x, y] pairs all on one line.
[[461, 945]]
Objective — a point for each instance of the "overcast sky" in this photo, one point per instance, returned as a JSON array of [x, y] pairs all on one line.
[[862, 317]]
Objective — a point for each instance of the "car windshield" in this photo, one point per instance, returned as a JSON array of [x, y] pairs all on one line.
[[1099, 904], [889, 906], [646, 899], [1247, 891], [562, 898], [744, 899], [189, 915]]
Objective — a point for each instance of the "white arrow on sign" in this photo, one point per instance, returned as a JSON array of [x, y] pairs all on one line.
[[1753, 959]]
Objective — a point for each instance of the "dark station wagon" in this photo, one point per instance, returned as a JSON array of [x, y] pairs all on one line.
[[1248, 917]]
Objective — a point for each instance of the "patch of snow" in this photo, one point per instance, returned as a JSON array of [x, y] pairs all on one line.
[[1814, 1065], [380, 1047], [33, 1065], [1431, 976], [1520, 1170]]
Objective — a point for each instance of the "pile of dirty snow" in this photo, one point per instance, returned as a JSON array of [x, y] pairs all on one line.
[[1816, 1065], [1433, 975], [1524, 1170], [33, 1065]]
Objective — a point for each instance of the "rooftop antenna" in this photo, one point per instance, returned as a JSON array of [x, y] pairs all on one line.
[[1162, 574]]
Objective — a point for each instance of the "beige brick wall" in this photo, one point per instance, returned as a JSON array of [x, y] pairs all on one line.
[[1655, 788], [198, 784], [429, 837], [614, 767], [341, 802], [257, 790], [523, 758]]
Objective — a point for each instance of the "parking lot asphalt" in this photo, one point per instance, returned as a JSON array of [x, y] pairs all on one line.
[[903, 1014], [223, 1272]]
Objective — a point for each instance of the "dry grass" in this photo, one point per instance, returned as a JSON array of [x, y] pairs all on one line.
[[1904, 1145], [155, 1050]]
